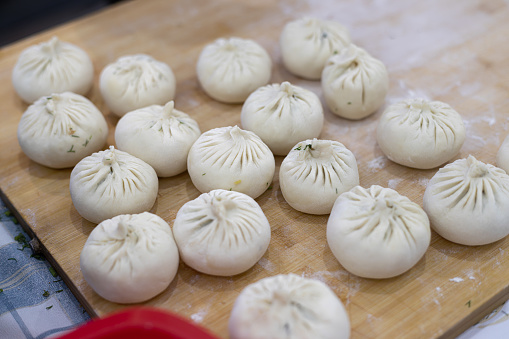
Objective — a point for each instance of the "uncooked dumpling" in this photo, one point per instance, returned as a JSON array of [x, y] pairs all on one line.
[[230, 69], [61, 129], [221, 233], [377, 233], [159, 135], [50, 67], [419, 133], [108, 183], [130, 258], [232, 159], [288, 307], [503, 155], [136, 81], [354, 83], [307, 43], [315, 173], [468, 202], [282, 115]]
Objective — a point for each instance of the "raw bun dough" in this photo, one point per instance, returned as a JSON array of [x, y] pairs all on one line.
[[288, 306], [61, 129], [282, 115], [109, 183], [307, 43], [315, 173], [503, 155], [232, 159], [136, 81], [419, 133], [377, 233], [52, 67], [130, 258], [467, 202], [221, 233], [354, 83], [159, 135], [230, 69]]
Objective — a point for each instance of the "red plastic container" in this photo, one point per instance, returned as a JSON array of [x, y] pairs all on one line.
[[139, 322]]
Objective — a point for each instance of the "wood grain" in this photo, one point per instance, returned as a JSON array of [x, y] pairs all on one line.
[[446, 50]]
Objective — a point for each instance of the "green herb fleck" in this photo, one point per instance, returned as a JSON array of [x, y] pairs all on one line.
[[297, 148], [53, 272], [8, 213], [308, 146], [14, 220], [49, 307], [336, 191], [37, 256], [71, 150], [335, 51], [349, 102], [324, 35], [86, 143], [1, 290], [230, 188], [59, 291], [45, 294], [20, 238], [469, 303], [270, 187], [204, 173], [74, 136], [83, 311], [13, 259]]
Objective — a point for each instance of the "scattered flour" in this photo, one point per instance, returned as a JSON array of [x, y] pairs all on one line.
[[198, 316], [457, 279], [267, 264], [378, 163], [393, 183]]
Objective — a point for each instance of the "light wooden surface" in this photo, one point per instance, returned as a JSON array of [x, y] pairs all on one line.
[[453, 51]]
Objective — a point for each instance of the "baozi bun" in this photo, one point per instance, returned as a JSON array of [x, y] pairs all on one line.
[[61, 129], [315, 173], [377, 233], [230, 69], [130, 258], [467, 202], [158, 135], [503, 155], [307, 43], [232, 159], [288, 306], [282, 115], [108, 183], [419, 133], [52, 67], [221, 233], [136, 81], [354, 83]]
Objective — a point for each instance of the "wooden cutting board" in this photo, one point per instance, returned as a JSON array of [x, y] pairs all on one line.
[[453, 51]]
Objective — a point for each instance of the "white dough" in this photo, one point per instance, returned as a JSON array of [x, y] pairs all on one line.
[[307, 43], [61, 129], [315, 173], [130, 258], [288, 307], [109, 183], [377, 233], [503, 155], [419, 133], [230, 69], [50, 67], [159, 135], [136, 81], [232, 159], [467, 202], [354, 83], [282, 115], [221, 233]]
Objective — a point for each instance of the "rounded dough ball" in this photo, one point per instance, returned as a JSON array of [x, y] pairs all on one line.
[[136, 81], [354, 83], [232, 159], [503, 155], [288, 306], [315, 173], [377, 233], [61, 129], [130, 258], [307, 43], [159, 135], [467, 202], [419, 133], [282, 115], [221, 233], [109, 183], [230, 69], [50, 67]]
